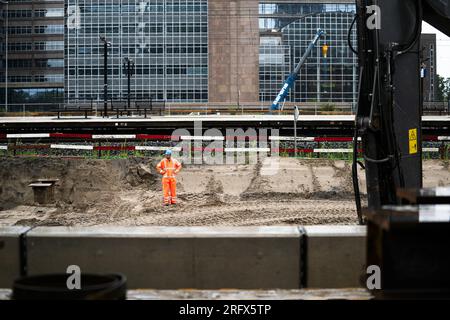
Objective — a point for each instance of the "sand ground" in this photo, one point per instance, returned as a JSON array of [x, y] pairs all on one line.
[[127, 192]]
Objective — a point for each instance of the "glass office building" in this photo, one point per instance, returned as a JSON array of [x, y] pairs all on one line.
[[167, 40], [192, 51], [285, 38], [33, 52]]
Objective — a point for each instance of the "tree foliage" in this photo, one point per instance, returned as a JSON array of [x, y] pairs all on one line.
[[442, 88]]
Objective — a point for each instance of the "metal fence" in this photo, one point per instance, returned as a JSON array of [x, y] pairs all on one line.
[[30, 107], [436, 108], [96, 108]]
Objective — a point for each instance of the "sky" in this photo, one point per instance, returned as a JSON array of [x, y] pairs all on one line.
[[443, 50]]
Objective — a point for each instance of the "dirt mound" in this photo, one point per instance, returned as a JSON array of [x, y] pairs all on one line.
[[81, 182]]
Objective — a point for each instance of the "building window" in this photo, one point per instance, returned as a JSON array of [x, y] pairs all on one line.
[[33, 95], [49, 29], [167, 39], [50, 63], [49, 13], [49, 46]]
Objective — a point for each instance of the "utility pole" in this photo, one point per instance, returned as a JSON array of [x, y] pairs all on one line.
[[296, 116], [106, 45], [129, 65], [6, 53]]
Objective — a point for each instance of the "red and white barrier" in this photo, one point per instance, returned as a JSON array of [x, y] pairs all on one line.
[[202, 138], [90, 136], [27, 135], [110, 148], [157, 137], [300, 139], [430, 149], [114, 136], [186, 138], [250, 150], [333, 151], [71, 136], [70, 147], [150, 148], [178, 149]]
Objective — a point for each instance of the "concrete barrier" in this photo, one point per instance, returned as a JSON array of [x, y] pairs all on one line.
[[10, 254], [195, 257], [174, 258], [335, 256]]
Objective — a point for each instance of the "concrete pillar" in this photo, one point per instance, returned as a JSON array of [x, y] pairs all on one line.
[[10, 254], [233, 51], [335, 256]]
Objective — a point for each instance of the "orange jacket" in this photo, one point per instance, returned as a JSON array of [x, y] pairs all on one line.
[[169, 168]]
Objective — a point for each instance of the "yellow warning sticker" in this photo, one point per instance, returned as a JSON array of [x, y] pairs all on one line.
[[413, 143], [413, 135], [413, 147]]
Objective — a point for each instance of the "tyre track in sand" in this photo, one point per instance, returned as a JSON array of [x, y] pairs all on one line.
[[249, 213]]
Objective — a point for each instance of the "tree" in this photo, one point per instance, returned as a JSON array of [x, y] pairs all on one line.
[[442, 88]]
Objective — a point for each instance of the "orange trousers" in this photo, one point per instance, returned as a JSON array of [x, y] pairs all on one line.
[[169, 186]]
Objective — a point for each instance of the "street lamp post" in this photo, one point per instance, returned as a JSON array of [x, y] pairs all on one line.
[[6, 53], [296, 116], [129, 65], [106, 44]]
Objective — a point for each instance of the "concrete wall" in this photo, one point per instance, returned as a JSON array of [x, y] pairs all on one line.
[[336, 256], [286, 257], [174, 258], [10, 254], [233, 51]]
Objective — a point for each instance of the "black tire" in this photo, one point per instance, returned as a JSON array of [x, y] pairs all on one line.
[[53, 287]]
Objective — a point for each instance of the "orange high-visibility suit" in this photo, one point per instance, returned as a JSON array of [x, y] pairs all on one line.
[[169, 168]]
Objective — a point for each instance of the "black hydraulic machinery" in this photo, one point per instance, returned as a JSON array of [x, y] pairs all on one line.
[[408, 228], [389, 108]]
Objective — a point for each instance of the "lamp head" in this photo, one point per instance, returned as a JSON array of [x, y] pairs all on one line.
[[325, 49]]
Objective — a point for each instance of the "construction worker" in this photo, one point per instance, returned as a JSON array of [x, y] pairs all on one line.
[[169, 167]]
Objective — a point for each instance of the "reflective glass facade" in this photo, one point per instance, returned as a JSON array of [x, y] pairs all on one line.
[[35, 52], [274, 67], [166, 39], [178, 57], [332, 79], [34, 95]]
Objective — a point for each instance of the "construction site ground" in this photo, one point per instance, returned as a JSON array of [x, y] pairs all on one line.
[[312, 294], [127, 192]]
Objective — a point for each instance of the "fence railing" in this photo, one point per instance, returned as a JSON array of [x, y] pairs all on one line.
[[95, 108], [169, 108], [29, 107], [436, 107]]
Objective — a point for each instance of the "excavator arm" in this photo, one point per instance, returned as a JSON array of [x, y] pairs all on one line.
[[290, 81], [389, 111]]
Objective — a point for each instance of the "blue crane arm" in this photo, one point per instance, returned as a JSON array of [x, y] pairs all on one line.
[[289, 83]]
